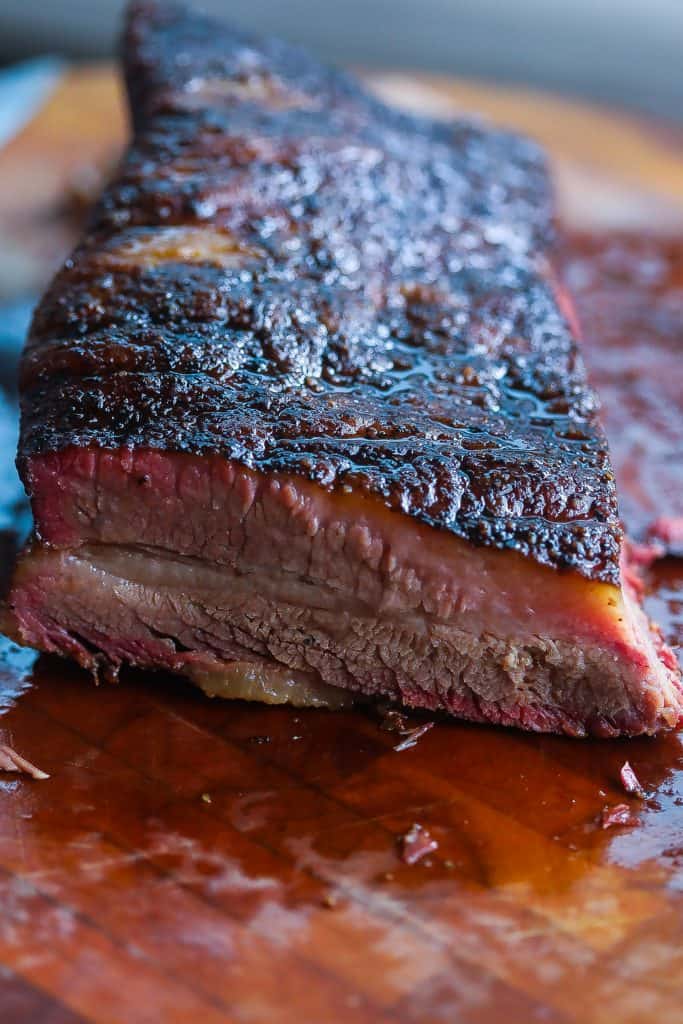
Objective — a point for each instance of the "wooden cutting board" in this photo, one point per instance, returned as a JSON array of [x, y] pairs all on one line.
[[197, 861]]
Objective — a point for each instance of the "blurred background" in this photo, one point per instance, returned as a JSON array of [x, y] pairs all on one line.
[[627, 53]]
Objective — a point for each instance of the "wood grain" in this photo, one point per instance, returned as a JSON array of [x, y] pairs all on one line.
[[192, 860]]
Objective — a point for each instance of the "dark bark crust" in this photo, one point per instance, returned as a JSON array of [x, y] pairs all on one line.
[[389, 322]]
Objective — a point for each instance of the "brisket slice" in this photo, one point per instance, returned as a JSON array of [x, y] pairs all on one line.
[[303, 416]]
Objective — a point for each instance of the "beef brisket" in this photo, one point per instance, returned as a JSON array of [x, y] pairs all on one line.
[[304, 415]]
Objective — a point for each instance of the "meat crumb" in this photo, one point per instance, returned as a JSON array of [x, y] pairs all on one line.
[[629, 781], [416, 844], [394, 721], [620, 814], [413, 735], [10, 761], [669, 531]]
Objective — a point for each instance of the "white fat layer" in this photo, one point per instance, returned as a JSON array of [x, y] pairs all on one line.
[[243, 680]]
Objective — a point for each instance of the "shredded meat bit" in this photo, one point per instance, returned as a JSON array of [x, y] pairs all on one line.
[[629, 780], [394, 721], [620, 814], [416, 844], [668, 530], [413, 735], [10, 761]]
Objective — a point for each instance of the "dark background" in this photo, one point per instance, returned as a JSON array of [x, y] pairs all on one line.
[[625, 52]]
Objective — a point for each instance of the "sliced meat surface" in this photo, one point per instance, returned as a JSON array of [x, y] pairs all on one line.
[[304, 415]]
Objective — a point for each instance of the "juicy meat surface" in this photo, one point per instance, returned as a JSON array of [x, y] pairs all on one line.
[[308, 398]]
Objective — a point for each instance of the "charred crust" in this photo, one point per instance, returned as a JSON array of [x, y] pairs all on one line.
[[399, 332]]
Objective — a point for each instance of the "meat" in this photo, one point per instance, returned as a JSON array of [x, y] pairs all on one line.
[[11, 761], [303, 416], [667, 531]]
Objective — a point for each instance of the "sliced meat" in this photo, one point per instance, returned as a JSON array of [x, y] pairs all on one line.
[[197, 565], [304, 416]]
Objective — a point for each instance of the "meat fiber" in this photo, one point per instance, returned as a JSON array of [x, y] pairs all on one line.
[[303, 416]]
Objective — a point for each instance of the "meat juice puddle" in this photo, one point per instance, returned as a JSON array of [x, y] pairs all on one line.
[[629, 290]]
